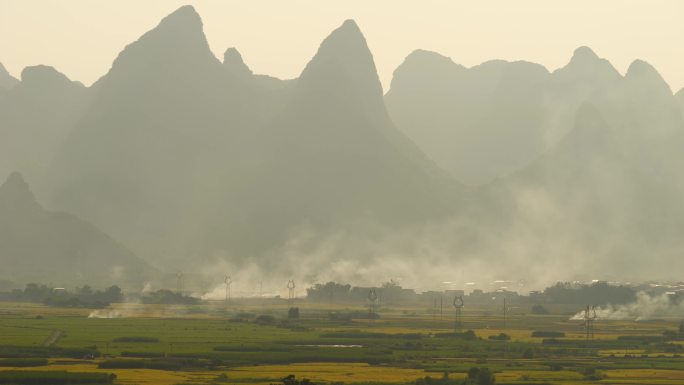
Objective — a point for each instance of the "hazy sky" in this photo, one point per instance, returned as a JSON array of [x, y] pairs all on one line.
[[82, 37]]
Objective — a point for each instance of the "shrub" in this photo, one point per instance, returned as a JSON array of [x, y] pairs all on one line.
[[500, 337], [591, 374], [467, 335], [9, 351], [641, 339], [528, 353], [265, 320], [291, 380], [293, 313], [142, 354], [444, 380], [29, 377], [547, 334], [670, 335], [539, 309], [158, 364], [480, 376], [136, 339], [122, 364], [23, 362], [348, 316]]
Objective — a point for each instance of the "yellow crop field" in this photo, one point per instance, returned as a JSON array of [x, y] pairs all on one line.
[[329, 372], [325, 372], [645, 376], [131, 376], [529, 375]]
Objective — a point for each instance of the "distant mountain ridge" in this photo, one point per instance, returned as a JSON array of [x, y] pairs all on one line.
[[36, 116], [37, 245], [258, 157], [575, 168], [200, 164], [462, 117]]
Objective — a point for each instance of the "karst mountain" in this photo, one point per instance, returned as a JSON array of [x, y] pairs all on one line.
[[191, 161]]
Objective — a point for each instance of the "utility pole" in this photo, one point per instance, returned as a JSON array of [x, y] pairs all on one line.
[[434, 310], [228, 281], [505, 309], [441, 307], [458, 306]]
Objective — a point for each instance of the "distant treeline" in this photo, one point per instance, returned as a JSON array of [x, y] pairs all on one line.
[[80, 297], [334, 292], [29, 352], [54, 378], [562, 293], [597, 293], [86, 297]]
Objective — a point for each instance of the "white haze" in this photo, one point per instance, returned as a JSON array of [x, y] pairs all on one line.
[[644, 308], [105, 313], [424, 257], [269, 180], [542, 247]]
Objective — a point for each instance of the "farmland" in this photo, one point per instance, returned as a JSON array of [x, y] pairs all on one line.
[[254, 342]]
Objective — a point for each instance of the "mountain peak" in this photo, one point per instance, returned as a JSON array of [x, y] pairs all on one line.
[[344, 62], [14, 178], [584, 54], [430, 57], [186, 16], [644, 74], [177, 41], [351, 25], [42, 75], [588, 66], [232, 60], [15, 194], [411, 72], [640, 68], [346, 39]]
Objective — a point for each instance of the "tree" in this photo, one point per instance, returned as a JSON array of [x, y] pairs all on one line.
[[293, 313], [528, 353], [85, 291], [113, 294], [480, 376], [291, 380], [539, 309]]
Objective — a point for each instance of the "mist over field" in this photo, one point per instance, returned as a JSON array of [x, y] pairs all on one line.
[[178, 161]]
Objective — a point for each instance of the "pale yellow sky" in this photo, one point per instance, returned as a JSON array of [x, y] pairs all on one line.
[[82, 37]]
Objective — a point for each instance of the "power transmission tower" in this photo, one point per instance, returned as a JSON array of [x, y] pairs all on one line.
[[228, 281], [179, 283], [434, 310], [290, 290], [504, 314], [372, 303], [458, 306], [589, 319], [441, 307]]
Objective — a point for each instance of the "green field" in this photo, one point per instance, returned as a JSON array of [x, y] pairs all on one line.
[[216, 342]]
